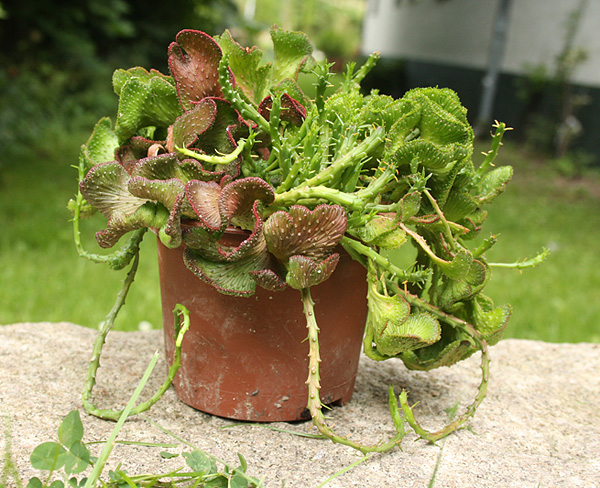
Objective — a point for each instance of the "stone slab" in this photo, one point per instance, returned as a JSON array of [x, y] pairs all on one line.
[[538, 427]]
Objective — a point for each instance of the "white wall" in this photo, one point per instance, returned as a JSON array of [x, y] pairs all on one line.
[[458, 32]]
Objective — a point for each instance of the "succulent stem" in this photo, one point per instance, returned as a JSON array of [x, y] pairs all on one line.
[[316, 193], [419, 239], [475, 336], [358, 77], [442, 217], [314, 385], [353, 201], [491, 155], [381, 261], [471, 409], [358, 152], [224, 159], [527, 263], [181, 315], [246, 110]]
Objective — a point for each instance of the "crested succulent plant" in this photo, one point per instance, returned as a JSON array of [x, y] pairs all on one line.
[[229, 141]]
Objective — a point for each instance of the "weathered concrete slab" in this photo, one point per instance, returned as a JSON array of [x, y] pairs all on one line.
[[538, 427]]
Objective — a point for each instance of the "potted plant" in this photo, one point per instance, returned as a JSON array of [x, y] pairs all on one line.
[[256, 189]]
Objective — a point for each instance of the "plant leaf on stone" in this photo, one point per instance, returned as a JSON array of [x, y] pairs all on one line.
[[200, 462], [34, 482], [70, 435], [69, 454], [70, 429], [78, 458]]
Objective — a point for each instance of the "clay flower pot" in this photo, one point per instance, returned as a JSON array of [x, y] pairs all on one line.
[[246, 358]]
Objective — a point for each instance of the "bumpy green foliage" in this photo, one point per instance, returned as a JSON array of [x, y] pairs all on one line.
[[228, 141], [399, 170]]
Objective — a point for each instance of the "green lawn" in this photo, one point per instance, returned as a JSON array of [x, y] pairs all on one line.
[[558, 301], [43, 278]]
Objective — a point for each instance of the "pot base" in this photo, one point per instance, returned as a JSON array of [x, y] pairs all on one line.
[[246, 358]]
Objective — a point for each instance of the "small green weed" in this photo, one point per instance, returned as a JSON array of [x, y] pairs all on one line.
[[69, 456], [9, 470]]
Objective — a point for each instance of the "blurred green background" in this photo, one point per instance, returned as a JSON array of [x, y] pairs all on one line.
[[55, 83]]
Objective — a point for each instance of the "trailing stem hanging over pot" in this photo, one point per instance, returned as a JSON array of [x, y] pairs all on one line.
[[230, 141]]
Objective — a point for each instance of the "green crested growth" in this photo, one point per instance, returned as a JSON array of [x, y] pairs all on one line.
[[227, 140]]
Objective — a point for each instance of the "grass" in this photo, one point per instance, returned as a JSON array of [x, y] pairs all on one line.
[[45, 280], [559, 300]]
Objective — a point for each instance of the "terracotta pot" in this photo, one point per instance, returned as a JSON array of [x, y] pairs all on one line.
[[246, 358]]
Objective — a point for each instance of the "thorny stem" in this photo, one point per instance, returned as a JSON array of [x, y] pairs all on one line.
[[246, 110], [475, 336], [398, 273], [292, 174], [357, 153], [368, 65], [442, 217], [126, 412], [377, 185], [353, 201], [316, 193], [423, 244], [409, 417], [490, 156], [485, 246], [368, 347], [314, 385], [105, 327], [323, 76], [528, 263]]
